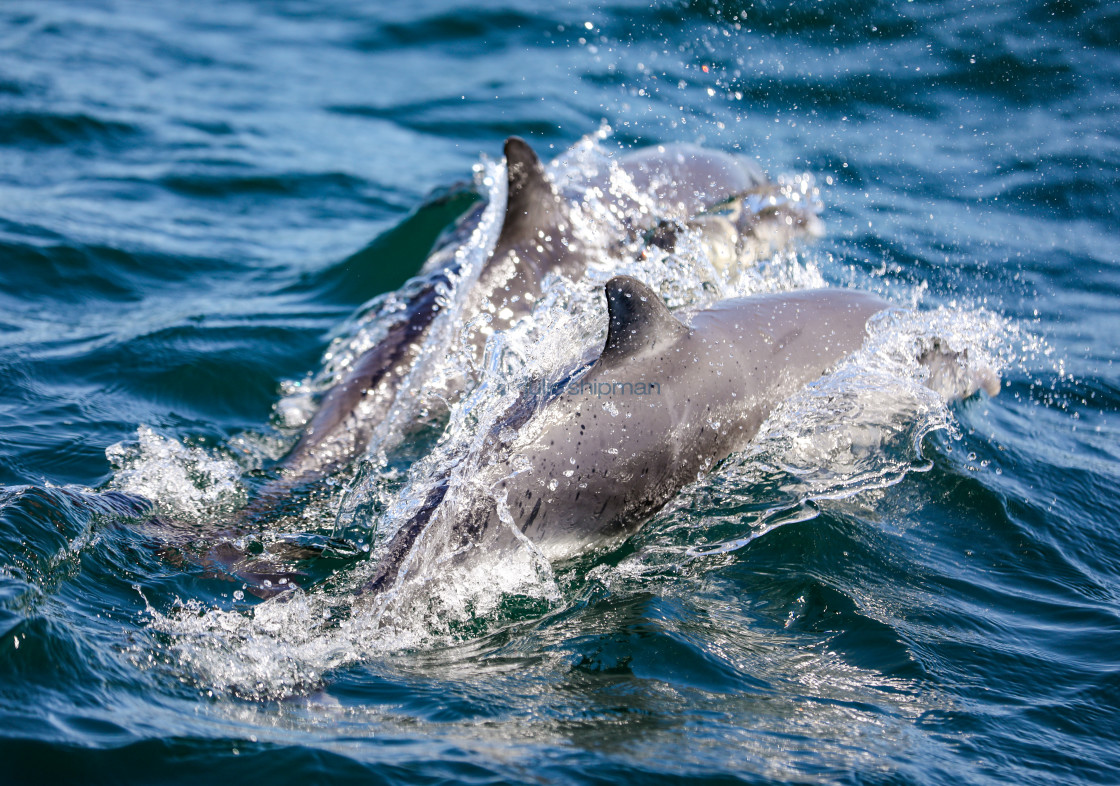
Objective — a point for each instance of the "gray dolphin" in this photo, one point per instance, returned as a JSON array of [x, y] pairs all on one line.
[[535, 240], [663, 403]]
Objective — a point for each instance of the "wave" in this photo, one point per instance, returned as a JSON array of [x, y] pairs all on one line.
[[32, 129]]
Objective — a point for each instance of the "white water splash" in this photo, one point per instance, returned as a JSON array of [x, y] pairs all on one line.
[[189, 482]]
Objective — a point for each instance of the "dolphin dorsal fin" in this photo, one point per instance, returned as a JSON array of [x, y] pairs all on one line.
[[531, 202], [639, 319]]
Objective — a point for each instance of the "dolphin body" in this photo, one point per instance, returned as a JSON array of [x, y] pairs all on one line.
[[535, 240], [661, 405]]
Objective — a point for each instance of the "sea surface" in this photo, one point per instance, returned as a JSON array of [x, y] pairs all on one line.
[[202, 207]]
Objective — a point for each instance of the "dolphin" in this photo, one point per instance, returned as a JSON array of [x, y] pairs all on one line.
[[662, 404], [669, 187]]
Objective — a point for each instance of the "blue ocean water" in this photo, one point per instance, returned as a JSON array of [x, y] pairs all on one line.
[[196, 198]]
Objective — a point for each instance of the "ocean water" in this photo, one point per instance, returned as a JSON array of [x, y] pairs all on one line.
[[202, 208]]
